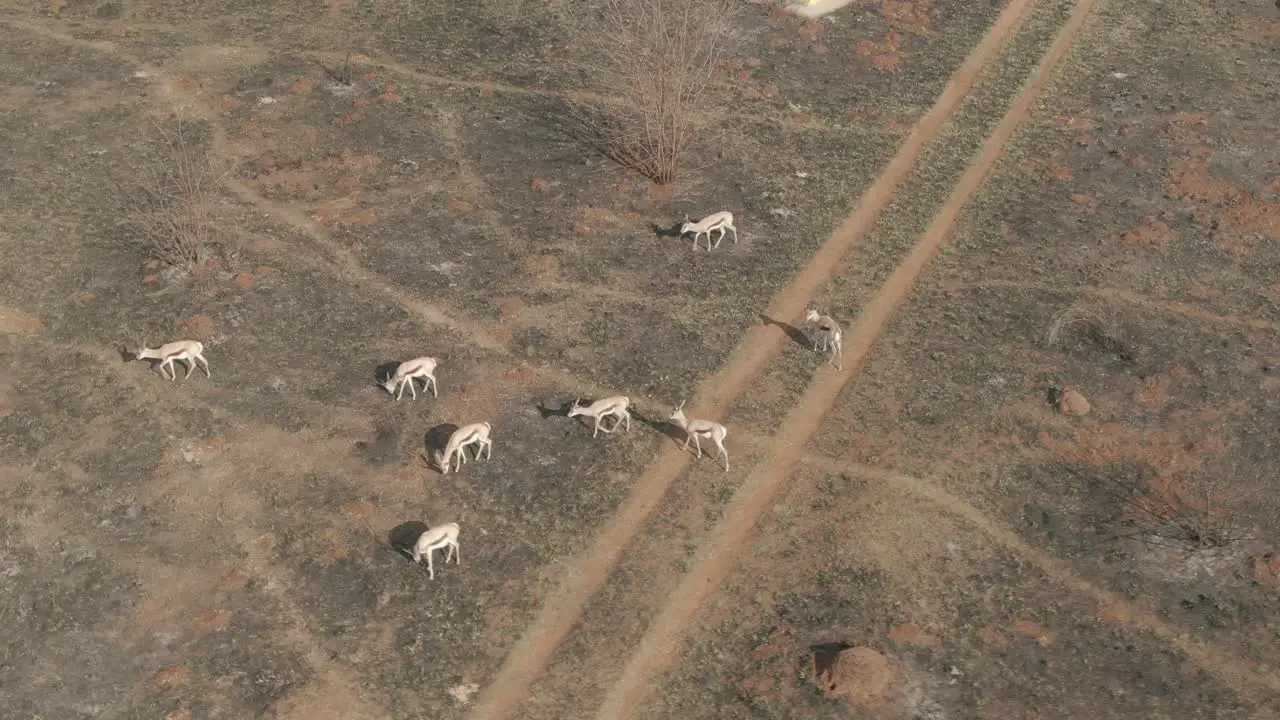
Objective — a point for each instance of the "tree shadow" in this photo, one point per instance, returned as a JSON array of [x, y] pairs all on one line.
[[435, 441], [796, 334], [403, 537]]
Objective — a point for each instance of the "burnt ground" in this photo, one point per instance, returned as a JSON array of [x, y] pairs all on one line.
[[218, 548], [1007, 559]]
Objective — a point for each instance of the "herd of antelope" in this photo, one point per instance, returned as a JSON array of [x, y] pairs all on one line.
[[826, 338]]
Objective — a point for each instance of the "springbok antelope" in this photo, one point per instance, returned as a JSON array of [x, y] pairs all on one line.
[[615, 407], [441, 536], [828, 335], [423, 367], [694, 429], [456, 448], [188, 352], [721, 221]]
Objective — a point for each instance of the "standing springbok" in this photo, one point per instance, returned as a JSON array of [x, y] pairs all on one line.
[[828, 335], [423, 367], [441, 536], [188, 352], [614, 407], [721, 221], [694, 429], [456, 448]]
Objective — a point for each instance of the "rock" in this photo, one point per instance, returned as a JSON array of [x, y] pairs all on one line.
[[1073, 404], [540, 185], [243, 279], [860, 675]]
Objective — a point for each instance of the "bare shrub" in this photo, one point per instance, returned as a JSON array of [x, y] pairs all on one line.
[[1199, 509], [658, 59], [171, 211], [1094, 324]]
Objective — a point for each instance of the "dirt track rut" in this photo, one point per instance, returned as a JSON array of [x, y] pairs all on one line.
[[562, 610]]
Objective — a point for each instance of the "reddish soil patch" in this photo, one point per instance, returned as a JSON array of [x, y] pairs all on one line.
[[911, 634], [200, 327], [885, 54], [1034, 631], [907, 15], [171, 676], [1152, 233]]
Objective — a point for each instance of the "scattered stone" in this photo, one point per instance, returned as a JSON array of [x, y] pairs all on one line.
[[200, 327], [463, 693], [243, 279], [1073, 404], [860, 675]]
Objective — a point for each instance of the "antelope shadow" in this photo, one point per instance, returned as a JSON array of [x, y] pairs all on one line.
[[404, 536], [796, 334], [435, 441]]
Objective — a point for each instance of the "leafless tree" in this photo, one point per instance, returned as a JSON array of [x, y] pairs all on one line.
[[657, 60], [171, 211]]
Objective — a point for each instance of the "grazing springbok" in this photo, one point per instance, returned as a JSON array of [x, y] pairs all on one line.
[[188, 352], [614, 407], [456, 449], [721, 221], [407, 371], [441, 536]]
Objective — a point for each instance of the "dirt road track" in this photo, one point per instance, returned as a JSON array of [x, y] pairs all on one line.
[[561, 610], [716, 558]]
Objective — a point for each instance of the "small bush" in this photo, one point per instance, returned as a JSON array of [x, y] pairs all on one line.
[[171, 210], [658, 59]]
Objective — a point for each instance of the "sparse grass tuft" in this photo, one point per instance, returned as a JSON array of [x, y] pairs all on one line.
[[658, 58], [172, 210]]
